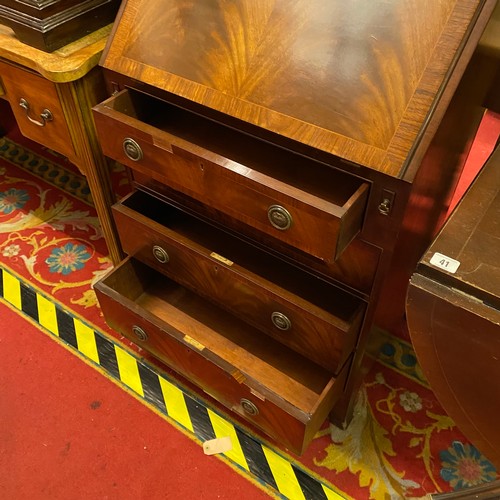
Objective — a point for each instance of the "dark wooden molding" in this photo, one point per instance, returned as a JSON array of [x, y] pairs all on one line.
[[37, 4], [489, 491], [49, 25]]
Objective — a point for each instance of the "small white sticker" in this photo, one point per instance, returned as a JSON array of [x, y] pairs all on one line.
[[217, 445], [446, 263]]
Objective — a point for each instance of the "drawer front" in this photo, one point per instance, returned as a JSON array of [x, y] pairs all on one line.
[[37, 108], [242, 285], [253, 192], [267, 410], [356, 268]]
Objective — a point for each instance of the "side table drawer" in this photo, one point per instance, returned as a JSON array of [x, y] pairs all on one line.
[[272, 387], [37, 108], [312, 317], [294, 199]]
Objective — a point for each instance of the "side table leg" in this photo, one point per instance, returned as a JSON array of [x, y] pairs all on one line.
[[78, 97], [97, 176]]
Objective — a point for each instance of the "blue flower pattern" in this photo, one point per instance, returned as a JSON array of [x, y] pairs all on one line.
[[67, 259], [464, 466], [13, 199]]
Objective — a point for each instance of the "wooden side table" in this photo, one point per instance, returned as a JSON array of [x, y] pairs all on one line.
[[51, 95], [453, 311]]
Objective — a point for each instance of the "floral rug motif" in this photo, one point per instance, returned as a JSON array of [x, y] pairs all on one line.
[[400, 443], [47, 235]]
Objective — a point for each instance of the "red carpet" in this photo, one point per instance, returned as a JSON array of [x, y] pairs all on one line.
[[482, 147], [67, 431]]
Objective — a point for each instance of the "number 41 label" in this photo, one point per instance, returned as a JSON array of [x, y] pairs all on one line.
[[444, 262]]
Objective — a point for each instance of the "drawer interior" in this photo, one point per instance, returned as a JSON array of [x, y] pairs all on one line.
[[237, 348], [339, 303], [320, 180]]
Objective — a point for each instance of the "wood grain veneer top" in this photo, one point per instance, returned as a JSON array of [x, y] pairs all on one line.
[[359, 78], [66, 64]]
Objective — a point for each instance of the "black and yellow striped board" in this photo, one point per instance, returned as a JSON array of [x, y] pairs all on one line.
[[257, 460]]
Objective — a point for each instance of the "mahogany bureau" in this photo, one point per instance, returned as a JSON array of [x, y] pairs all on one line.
[[288, 158]]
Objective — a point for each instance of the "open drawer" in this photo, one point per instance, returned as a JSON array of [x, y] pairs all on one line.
[[271, 386], [313, 317], [310, 206]]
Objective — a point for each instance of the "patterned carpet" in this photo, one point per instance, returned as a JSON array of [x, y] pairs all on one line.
[[400, 444]]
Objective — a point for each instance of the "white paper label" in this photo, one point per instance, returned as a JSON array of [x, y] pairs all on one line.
[[217, 445], [446, 263]]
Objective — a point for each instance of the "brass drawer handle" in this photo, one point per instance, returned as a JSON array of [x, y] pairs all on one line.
[[160, 254], [140, 333], [385, 207], [132, 149], [279, 217], [281, 321], [248, 407], [45, 115]]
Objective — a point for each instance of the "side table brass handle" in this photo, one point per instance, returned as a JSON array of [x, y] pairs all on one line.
[[45, 115]]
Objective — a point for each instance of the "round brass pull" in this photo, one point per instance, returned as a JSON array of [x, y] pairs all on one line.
[[160, 254], [132, 149], [45, 115], [248, 407], [281, 321], [140, 333], [279, 217]]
